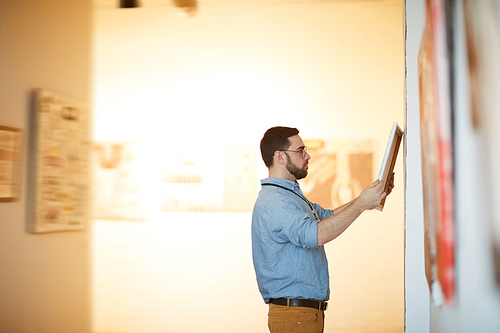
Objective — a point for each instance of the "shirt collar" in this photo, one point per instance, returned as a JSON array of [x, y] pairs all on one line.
[[290, 184]]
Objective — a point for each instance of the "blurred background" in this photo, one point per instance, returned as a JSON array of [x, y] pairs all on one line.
[[181, 101], [179, 96]]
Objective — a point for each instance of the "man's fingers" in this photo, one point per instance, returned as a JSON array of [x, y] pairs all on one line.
[[380, 186]]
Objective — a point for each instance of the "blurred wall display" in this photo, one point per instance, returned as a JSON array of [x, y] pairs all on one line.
[[59, 164], [118, 181], [483, 48], [436, 134], [10, 163], [240, 176], [219, 179], [127, 187], [339, 169]]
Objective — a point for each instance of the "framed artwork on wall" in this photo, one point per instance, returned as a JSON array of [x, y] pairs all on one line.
[[436, 137], [10, 163], [59, 168]]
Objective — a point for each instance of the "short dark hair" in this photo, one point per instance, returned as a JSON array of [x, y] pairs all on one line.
[[275, 138]]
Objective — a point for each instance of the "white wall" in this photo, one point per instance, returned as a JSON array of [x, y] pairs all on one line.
[[417, 313], [44, 278]]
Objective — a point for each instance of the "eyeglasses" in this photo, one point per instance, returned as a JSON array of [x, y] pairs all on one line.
[[302, 150]]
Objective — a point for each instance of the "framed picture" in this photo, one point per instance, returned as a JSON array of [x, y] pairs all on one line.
[[59, 164], [10, 163], [389, 161]]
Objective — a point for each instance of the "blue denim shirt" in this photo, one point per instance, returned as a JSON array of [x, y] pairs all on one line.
[[287, 260]]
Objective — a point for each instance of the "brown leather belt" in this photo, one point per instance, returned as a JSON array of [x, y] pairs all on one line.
[[299, 302]]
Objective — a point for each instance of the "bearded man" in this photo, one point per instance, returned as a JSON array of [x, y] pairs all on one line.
[[289, 233]]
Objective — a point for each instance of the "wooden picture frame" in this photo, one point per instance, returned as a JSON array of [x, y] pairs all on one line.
[[390, 157], [11, 141]]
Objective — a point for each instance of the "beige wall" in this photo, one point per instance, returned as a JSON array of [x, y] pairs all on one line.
[[334, 70], [44, 278]]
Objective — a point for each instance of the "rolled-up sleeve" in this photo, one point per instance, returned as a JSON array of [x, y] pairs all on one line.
[[290, 223], [322, 212]]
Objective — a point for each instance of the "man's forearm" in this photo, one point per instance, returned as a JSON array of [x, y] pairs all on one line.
[[333, 226], [339, 209]]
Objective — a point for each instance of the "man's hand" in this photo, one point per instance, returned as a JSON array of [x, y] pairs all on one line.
[[372, 195], [331, 227]]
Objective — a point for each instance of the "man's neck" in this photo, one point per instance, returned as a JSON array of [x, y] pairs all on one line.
[[280, 173]]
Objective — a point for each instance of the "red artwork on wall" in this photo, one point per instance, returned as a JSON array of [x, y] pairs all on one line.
[[436, 131]]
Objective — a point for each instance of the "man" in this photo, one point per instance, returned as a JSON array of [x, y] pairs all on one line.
[[288, 234]]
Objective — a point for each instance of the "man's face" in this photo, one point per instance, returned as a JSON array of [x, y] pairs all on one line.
[[297, 159]]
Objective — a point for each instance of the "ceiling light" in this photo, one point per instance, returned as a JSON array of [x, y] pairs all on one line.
[[129, 3]]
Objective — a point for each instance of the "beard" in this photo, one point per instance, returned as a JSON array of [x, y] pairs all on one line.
[[297, 172]]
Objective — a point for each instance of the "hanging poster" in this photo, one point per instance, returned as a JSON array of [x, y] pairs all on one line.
[[59, 164]]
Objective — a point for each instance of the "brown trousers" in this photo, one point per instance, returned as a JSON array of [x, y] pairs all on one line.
[[295, 319]]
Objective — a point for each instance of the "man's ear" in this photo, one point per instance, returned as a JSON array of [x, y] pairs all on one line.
[[279, 158]]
